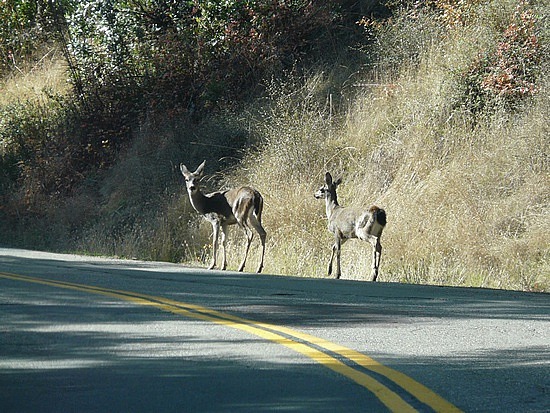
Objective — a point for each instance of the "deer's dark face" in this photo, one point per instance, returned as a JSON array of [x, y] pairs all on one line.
[[328, 190], [321, 192]]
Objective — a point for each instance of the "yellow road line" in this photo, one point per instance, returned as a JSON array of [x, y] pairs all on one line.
[[389, 398], [418, 390]]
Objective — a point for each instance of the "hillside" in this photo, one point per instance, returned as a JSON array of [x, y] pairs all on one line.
[[436, 111]]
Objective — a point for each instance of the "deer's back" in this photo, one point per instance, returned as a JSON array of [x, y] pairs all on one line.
[[351, 222], [343, 221], [244, 200], [242, 192]]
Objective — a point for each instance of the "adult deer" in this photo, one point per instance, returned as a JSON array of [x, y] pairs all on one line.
[[242, 206], [347, 223]]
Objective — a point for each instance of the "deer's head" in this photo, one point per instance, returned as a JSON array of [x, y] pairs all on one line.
[[328, 190], [192, 179]]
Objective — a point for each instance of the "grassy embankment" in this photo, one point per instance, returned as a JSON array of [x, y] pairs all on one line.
[[467, 195], [466, 185]]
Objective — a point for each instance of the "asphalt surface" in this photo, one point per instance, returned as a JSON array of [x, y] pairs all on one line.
[[106, 345]]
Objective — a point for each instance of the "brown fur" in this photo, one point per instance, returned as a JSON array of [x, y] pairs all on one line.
[[347, 223], [242, 206]]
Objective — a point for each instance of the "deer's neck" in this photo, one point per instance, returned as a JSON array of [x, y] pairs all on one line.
[[331, 203], [216, 202], [200, 202]]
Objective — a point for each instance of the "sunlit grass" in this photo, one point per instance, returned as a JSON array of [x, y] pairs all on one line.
[[467, 199], [36, 80], [467, 195]]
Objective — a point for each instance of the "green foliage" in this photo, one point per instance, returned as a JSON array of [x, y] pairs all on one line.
[[185, 56], [509, 59], [26, 25], [35, 152], [23, 131], [134, 59], [507, 73], [18, 22]]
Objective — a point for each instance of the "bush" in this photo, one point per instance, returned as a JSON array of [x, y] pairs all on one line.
[[26, 26], [188, 56]]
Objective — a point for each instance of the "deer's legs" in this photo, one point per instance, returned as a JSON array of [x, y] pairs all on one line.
[[338, 251], [331, 259], [336, 248], [224, 239], [376, 255], [249, 237], [216, 230], [261, 232]]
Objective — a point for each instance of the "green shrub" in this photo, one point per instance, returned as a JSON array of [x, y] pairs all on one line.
[[25, 27], [507, 73]]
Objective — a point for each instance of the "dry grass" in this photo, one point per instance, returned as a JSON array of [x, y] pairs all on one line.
[[37, 79], [467, 202], [465, 206], [467, 197]]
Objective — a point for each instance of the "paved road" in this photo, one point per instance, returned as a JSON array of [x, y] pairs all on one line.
[[87, 334]]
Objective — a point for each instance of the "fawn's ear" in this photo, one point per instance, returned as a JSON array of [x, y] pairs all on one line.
[[200, 169], [328, 178], [337, 182], [184, 170]]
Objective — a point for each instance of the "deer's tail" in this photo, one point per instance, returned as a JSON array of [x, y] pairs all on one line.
[[258, 205], [381, 216]]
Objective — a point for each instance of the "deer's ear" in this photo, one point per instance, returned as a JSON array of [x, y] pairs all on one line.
[[184, 170], [337, 182], [328, 178], [200, 169]]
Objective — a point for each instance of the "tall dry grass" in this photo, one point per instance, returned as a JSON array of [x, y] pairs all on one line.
[[36, 79], [467, 205], [467, 197]]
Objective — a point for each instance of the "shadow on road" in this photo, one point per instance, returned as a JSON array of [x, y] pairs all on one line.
[[65, 351]]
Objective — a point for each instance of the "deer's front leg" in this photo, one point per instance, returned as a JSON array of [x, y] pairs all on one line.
[[338, 246], [331, 259], [215, 232], [376, 255], [224, 238]]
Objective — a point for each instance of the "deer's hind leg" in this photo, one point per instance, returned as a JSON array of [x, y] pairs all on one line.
[[257, 225], [376, 256], [249, 236], [241, 211], [224, 243]]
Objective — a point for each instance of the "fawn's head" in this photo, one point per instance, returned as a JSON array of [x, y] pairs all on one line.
[[328, 190], [192, 179]]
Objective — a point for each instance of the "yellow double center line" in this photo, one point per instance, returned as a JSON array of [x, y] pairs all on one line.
[[322, 351]]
